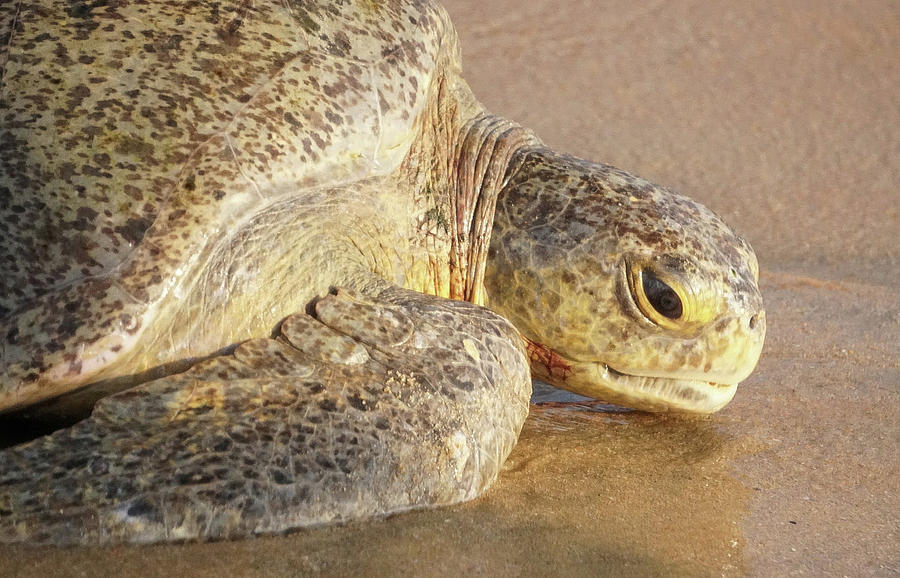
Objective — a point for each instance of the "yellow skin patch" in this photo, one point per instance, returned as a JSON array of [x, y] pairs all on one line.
[[469, 346]]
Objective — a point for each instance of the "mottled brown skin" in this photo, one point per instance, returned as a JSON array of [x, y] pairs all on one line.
[[609, 228], [340, 418], [305, 202]]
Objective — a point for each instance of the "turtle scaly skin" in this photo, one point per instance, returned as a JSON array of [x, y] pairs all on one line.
[[615, 232], [275, 228]]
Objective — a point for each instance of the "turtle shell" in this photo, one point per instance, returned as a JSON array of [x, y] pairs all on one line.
[[133, 135]]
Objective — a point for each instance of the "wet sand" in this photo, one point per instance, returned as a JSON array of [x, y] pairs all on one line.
[[782, 116]]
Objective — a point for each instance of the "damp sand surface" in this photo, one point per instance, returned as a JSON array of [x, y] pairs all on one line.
[[781, 116]]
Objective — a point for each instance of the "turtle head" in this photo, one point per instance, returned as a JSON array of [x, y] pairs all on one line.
[[623, 290]]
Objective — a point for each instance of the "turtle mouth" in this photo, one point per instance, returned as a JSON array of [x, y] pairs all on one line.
[[644, 392], [649, 393]]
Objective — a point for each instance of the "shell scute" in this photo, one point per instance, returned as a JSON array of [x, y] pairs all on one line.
[[134, 134]]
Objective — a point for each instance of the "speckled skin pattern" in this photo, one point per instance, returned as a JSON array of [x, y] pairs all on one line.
[[298, 198], [609, 228], [370, 409], [135, 133]]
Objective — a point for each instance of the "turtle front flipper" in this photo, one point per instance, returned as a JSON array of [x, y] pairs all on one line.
[[371, 407]]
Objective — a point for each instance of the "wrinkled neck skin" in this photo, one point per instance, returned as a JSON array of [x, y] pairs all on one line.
[[457, 170]]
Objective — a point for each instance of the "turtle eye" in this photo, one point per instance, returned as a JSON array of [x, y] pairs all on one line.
[[665, 298], [660, 296]]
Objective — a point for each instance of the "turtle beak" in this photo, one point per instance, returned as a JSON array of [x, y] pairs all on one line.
[[647, 393], [657, 394]]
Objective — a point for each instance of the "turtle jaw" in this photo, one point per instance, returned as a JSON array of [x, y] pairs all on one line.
[[647, 393], [657, 394]]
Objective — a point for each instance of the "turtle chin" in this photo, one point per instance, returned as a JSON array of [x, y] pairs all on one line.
[[656, 394]]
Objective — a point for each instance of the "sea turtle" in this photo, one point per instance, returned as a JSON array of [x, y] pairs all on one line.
[[277, 226]]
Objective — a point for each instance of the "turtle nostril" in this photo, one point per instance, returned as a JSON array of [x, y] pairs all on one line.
[[753, 320]]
